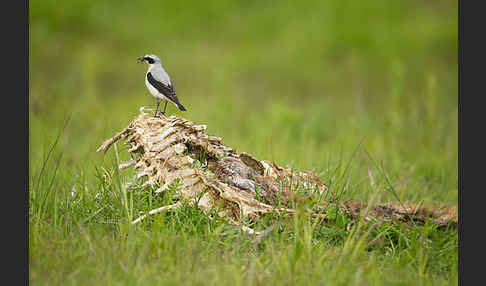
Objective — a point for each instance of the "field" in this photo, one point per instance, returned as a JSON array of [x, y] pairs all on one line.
[[364, 93]]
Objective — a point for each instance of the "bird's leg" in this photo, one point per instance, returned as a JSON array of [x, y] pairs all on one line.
[[165, 106], [158, 102]]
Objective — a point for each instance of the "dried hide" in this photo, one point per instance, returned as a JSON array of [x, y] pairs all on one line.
[[211, 174]]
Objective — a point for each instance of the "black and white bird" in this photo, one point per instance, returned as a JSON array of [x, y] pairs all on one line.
[[158, 83]]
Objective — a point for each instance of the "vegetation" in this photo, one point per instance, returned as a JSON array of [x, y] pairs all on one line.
[[363, 93]]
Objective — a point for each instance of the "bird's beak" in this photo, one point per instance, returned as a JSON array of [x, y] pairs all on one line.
[[140, 59]]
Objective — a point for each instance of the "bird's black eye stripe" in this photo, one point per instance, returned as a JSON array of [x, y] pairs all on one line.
[[149, 60]]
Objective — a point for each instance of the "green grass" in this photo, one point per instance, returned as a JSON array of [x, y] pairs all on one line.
[[363, 93]]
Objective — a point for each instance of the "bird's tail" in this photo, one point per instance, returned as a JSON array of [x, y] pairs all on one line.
[[175, 100]]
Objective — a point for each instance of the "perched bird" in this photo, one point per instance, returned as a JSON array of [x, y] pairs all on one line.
[[158, 83]]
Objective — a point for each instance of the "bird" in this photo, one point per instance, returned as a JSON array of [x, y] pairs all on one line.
[[158, 83]]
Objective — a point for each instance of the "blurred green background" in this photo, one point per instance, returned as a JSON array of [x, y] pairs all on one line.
[[300, 83]]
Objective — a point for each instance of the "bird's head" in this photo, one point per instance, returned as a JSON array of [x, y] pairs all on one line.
[[150, 59]]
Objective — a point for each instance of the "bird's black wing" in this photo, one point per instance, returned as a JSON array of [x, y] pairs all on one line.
[[167, 90]]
